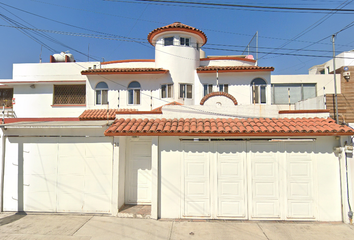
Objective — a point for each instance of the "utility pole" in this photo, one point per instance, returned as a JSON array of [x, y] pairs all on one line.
[[335, 80]]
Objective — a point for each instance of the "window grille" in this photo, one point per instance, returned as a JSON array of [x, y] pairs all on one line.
[[6, 95], [69, 94]]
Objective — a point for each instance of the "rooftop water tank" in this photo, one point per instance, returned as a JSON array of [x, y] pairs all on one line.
[[63, 57]]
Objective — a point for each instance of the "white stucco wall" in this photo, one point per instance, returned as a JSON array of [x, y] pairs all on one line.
[[150, 87], [38, 102], [51, 71], [239, 85], [214, 62], [311, 103], [127, 64]]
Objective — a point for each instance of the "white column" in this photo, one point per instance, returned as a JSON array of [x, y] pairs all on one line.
[[2, 166], [121, 171], [115, 176], [155, 177]]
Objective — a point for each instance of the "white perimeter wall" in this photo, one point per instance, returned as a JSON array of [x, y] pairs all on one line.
[[327, 199]]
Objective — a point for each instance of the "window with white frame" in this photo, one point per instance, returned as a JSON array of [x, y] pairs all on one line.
[[134, 93], [101, 93], [258, 90], [166, 90], [224, 88], [208, 88], [168, 41], [185, 91], [184, 41], [283, 93]]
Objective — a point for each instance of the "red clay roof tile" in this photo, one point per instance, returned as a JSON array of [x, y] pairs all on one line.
[[101, 71], [176, 26], [212, 69], [228, 127], [103, 114]]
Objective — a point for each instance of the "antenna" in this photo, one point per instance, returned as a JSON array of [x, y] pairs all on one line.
[[40, 55], [252, 47]]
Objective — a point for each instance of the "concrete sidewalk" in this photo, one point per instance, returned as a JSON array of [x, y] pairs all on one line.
[[83, 227]]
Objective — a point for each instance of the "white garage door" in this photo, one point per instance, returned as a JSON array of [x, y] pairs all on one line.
[[265, 181], [64, 174], [196, 180], [253, 180]]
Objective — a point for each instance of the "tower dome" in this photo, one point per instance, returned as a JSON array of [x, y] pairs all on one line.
[[177, 27]]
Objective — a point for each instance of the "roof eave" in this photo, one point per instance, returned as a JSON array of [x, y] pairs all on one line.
[[115, 73], [182, 134]]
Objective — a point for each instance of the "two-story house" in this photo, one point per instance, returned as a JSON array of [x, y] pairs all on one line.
[[189, 135]]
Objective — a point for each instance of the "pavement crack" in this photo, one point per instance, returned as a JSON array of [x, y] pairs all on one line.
[[169, 238], [263, 231], [82, 225]]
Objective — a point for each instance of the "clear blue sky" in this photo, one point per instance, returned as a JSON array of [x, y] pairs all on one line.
[[228, 29]]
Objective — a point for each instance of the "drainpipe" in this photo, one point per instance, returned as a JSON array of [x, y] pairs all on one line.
[[344, 184], [350, 212]]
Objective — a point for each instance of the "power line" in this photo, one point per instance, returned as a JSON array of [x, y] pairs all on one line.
[[145, 20], [283, 54], [44, 35], [144, 42], [313, 26], [70, 25], [240, 6]]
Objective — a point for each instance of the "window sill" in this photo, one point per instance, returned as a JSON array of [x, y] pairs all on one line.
[[68, 105]]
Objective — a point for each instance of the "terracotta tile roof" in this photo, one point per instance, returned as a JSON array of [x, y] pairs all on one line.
[[102, 114], [124, 71], [228, 127], [159, 109], [177, 26], [233, 69]]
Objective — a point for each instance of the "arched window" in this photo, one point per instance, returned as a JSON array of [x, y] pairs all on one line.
[[134, 93], [258, 90], [101, 93]]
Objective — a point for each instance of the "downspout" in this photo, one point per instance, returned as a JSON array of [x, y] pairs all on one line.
[[344, 184], [350, 212]]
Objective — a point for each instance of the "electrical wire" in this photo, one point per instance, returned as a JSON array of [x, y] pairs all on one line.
[[235, 6], [313, 26], [44, 35]]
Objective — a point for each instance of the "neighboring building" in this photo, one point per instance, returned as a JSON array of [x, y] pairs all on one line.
[[192, 136], [345, 93]]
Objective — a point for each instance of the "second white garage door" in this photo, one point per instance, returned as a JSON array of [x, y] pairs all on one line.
[[247, 180]]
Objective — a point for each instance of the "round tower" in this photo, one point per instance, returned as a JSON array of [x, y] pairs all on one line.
[[177, 48]]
